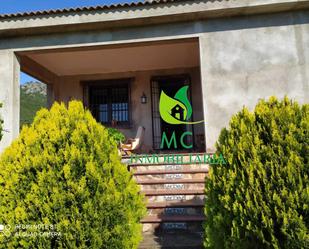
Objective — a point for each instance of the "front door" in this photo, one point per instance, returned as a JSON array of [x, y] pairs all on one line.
[[170, 85]]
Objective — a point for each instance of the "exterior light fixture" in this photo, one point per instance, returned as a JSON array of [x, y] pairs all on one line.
[[144, 98]]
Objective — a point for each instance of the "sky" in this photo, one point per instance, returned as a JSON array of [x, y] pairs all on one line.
[[14, 6]]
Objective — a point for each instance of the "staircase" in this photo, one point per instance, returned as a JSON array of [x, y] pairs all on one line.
[[175, 202]]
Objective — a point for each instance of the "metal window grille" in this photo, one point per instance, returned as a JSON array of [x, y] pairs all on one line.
[[110, 104], [156, 119]]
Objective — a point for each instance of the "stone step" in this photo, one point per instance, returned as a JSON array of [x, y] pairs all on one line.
[[185, 163], [173, 176], [169, 181], [173, 186], [175, 167], [172, 241], [175, 211], [159, 172], [190, 203], [174, 192], [161, 228], [172, 218], [175, 198], [167, 158]]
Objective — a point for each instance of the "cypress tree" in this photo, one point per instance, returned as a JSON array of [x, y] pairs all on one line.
[[64, 172], [260, 198]]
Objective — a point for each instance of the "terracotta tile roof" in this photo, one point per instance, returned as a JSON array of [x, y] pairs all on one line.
[[91, 8]]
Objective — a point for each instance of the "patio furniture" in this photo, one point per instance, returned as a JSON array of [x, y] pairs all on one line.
[[132, 144]]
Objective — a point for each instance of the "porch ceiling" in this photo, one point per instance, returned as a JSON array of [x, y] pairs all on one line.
[[118, 59]]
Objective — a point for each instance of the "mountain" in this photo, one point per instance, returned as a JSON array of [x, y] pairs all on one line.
[[33, 97]]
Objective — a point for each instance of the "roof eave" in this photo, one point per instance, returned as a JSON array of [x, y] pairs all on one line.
[[142, 16]]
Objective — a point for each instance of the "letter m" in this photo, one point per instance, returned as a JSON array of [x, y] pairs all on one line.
[[169, 143]]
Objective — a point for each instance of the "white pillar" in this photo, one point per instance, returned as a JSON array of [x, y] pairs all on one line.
[[9, 96]]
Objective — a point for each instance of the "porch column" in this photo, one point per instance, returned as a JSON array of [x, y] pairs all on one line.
[[50, 95], [209, 95], [9, 96]]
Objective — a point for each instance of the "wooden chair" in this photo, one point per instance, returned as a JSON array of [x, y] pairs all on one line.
[[132, 144]]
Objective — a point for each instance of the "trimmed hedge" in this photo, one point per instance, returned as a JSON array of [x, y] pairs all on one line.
[[64, 172], [260, 198]]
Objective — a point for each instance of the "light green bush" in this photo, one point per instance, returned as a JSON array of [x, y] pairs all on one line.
[[64, 170], [260, 199]]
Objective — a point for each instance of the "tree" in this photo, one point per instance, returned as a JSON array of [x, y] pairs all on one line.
[[260, 198], [64, 172]]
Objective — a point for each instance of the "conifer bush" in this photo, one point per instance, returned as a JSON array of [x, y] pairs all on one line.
[[62, 181], [260, 198]]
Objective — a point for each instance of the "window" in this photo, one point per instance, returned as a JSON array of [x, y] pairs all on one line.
[[109, 102]]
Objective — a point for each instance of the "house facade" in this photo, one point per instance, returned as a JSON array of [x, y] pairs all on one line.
[[118, 60]]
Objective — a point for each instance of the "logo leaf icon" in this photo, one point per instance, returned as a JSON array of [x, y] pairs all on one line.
[[182, 96], [166, 105], [178, 109]]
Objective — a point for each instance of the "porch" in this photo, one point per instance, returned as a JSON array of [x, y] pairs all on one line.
[[121, 85]]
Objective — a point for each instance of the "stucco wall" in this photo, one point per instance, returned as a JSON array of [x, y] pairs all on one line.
[[9, 96], [70, 87], [240, 66]]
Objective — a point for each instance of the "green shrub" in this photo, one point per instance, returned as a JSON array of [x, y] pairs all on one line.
[[1, 123], [116, 135], [64, 171], [260, 198]]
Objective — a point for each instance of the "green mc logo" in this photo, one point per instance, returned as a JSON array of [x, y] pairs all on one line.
[[176, 110]]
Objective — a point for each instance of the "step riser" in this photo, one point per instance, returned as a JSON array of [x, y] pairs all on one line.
[[169, 159], [176, 211], [172, 240], [175, 198], [172, 227], [170, 167], [171, 176], [196, 203], [179, 186]]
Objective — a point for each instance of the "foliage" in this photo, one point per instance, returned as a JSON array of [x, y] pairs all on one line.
[[64, 171], [116, 135], [1, 123], [30, 103], [260, 199]]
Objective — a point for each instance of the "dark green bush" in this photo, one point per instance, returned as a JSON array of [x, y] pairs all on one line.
[[116, 135], [64, 172], [260, 199]]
